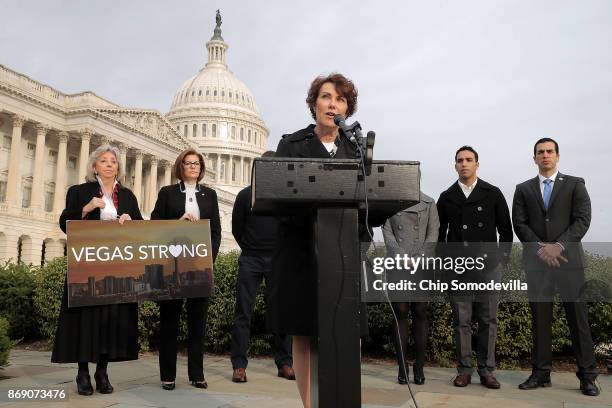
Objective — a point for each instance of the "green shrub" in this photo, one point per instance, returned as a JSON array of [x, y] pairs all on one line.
[[5, 342], [48, 295], [514, 318], [17, 283]]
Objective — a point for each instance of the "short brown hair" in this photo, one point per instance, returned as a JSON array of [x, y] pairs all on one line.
[[178, 164], [344, 87]]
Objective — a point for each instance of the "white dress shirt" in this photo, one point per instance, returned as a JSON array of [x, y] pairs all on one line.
[[191, 204], [552, 185], [467, 190], [109, 212]]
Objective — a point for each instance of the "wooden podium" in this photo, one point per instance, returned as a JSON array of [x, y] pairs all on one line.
[[335, 191]]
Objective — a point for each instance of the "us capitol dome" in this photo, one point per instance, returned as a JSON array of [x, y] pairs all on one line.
[[217, 113]]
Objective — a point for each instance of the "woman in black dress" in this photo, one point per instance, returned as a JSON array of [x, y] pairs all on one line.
[[294, 264], [186, 200], [98, 334]]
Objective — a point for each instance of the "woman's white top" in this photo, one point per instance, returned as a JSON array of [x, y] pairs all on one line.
[[109, 212], [191, 204]]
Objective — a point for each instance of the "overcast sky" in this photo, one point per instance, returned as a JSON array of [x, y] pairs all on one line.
[[431, 75]]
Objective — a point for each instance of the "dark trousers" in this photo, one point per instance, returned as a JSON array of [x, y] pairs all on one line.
[[419, 332], [251, 271], [169, 319], [542, 286], [485, 314]]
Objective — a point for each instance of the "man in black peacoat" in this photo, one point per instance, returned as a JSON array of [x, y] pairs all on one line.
[[472, 210]]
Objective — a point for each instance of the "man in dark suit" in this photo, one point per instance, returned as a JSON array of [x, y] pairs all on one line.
[[257, 237], [472, 210], [551, 214]]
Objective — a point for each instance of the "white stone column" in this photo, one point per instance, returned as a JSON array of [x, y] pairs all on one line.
[[228, 169], [138, 177], [242, 170], [167, 173], [14, 165], [84, 154], [153, 183], [123, 159], [60, 173], [218, 178], [39, 165]]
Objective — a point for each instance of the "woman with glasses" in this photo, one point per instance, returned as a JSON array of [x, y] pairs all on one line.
[[187, 200]]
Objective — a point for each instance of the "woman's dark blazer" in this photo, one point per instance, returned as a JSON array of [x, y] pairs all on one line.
[[293, 287], [87, 333], [80, 195], [170, 205]]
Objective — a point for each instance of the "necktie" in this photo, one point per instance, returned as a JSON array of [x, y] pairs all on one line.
[[547, 192]]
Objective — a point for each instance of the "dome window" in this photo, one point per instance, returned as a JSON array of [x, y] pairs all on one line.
[[241, 133], [249, 136], [193, 93], [233, 132], [204, 130], [230, 94], [222, 93], [214, 130], [186, 131], [215, 93], [207, 92], [195, 130], [200, 93]]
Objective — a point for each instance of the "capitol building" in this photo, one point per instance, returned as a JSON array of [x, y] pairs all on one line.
[[46, 137]]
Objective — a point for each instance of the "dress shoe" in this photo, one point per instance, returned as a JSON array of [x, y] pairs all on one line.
[[419, 376], [169, 386], [534, 382], [489, 381], [103, 386], [239, 375], [462, 380], [200, 384], [588, 387], [286, 371], [83, 382], [402, 376]]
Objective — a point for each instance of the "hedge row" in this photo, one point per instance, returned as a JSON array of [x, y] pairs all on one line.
[[30, 301]]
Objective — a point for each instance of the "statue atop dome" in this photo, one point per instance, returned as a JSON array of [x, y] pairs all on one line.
[[219, 21]]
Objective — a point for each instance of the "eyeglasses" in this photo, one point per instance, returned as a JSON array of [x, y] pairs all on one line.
[[194, 164]]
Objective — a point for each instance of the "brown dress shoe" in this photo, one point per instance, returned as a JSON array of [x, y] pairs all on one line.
[[462, 380], [286, 371], [489, 381], [239, 375]]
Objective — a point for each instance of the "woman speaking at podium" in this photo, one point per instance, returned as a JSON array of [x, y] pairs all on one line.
[[295, 263], [98, 334], [191, 201]]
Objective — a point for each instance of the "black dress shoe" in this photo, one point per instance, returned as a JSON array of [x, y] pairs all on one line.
[[83, 382], [103, 386], [534, 382], [169, 386], [402, 377], [419, 376], [200, 384], [588, 387]]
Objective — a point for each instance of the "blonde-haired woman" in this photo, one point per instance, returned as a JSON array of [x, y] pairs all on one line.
[[98, 334]]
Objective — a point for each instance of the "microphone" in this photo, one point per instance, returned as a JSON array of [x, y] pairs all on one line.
[[345, 130], [339, 121]]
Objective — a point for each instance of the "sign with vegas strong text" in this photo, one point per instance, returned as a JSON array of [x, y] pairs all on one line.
[[137, 261]]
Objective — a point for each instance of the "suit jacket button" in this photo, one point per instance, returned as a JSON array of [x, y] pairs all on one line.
[[479, 208], [464, 227], [480, 224], [465, 243], [399, 240], [399, 227], [548, 219], [416, 227]]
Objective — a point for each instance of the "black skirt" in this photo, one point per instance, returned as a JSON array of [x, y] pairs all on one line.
[[86, 333]]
